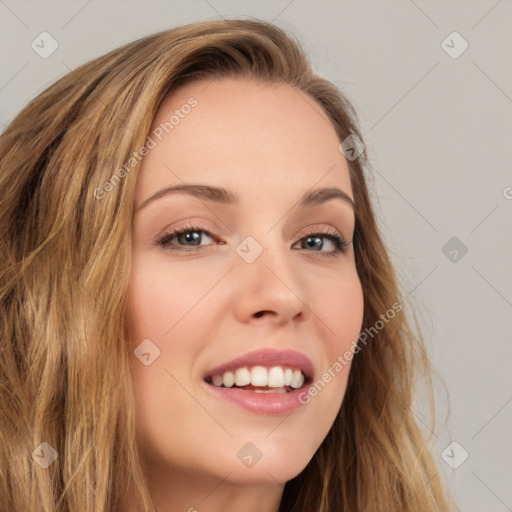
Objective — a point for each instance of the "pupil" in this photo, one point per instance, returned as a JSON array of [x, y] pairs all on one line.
[[191, 236], [317, 241]]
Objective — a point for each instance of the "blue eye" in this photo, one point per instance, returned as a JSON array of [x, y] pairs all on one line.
[[183, 235], [315, 241], [189, 238]]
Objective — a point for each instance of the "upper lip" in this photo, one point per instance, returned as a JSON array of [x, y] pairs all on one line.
[[267, 357]]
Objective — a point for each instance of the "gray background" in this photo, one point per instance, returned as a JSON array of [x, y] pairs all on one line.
[[438, 130]]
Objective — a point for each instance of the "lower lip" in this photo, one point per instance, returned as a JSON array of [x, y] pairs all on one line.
[[272, 404]]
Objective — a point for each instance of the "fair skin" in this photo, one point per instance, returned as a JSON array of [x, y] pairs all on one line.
[[269, 144]]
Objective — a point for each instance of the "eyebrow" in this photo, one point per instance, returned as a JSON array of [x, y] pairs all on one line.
[[224, 196]]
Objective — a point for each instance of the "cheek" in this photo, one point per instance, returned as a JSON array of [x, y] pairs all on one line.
[[338, 309], [169, 316], [338, 305], [165, 308], [161, 295]]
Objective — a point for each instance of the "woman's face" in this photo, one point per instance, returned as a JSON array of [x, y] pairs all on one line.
[[258, 274]]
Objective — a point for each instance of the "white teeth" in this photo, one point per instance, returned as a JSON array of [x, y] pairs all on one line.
[[274, 377], [217, 380], [297, 379], [242, 377], [229, 379], [259, 376]]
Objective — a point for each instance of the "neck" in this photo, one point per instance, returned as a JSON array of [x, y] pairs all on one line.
[[181, 491]]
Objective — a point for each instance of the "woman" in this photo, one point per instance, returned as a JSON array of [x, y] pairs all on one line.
[[198, 311]]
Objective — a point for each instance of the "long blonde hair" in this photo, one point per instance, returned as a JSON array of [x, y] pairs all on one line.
[[65, 264]]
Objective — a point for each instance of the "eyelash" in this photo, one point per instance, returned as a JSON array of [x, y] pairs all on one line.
[[338, 240]]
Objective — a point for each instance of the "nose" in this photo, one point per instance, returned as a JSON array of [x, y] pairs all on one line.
[[270, 288]]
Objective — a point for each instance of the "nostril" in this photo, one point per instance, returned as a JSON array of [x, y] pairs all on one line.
[[261, 313]]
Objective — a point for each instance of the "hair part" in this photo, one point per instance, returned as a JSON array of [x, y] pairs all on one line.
[[65, 264]]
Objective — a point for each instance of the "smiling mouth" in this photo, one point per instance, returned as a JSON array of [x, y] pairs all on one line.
[[260, 379]]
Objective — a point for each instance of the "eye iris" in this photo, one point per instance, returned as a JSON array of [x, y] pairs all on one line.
[[189, 236], [318, 242]]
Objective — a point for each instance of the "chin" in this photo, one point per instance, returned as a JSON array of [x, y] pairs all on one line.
[[276, 465], [261, 474]]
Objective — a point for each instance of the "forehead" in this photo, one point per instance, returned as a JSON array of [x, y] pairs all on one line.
[[248, 136]]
